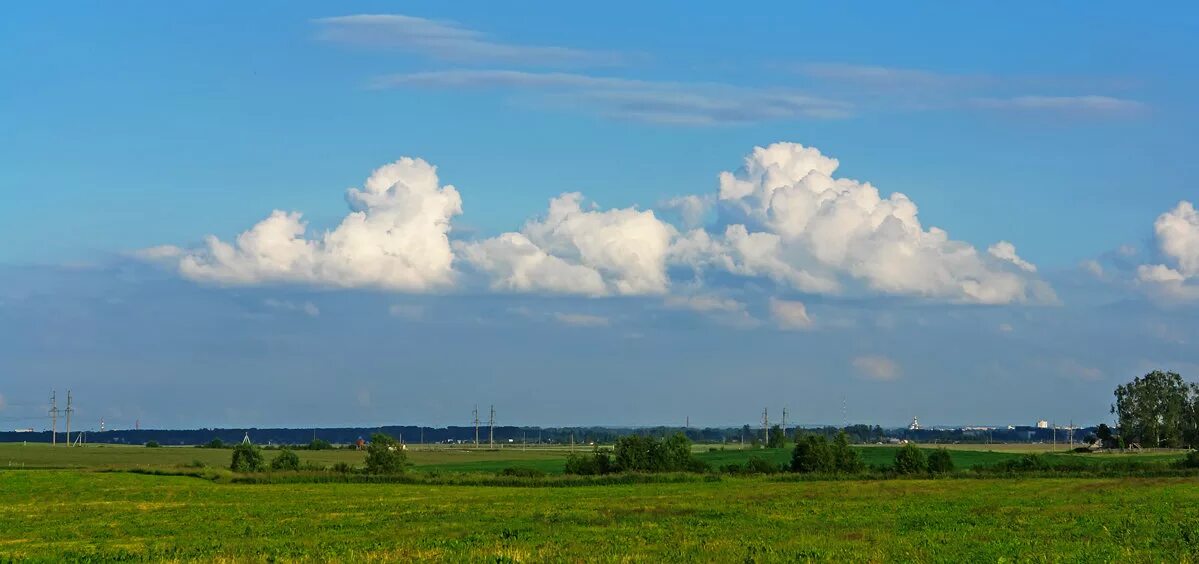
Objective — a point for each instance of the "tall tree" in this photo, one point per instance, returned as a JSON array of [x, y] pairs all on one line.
[[1156, 410]]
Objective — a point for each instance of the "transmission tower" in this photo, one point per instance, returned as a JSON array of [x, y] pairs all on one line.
[[491, 429], [68, 411], [53, 418], [476, 417], [765, 428]]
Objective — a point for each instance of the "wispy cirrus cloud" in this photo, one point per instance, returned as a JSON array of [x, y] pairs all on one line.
[[446, 40], [1090, 105], [682, 103]]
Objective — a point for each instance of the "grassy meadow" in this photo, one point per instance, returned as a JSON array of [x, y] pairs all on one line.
[[67, 504], [57, 515]]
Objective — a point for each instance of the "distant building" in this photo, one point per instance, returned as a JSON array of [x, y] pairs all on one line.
[[915, 426], [1042, 424]]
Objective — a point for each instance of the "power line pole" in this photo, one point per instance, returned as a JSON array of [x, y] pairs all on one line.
[[491, 430], [784, 424], [476, 415], [69, 410], [765, 428], [54, 418]]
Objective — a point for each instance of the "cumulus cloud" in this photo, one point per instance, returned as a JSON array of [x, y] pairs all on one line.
[[878, 368], [1004, 250], [790, 315], [581, 320], [160, 252], [692, 209], [794, 223], [577, 251], [396, 237], [444, 40], [1177, 234]]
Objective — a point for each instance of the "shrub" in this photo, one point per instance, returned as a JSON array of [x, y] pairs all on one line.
[[286, 460], [594, 464], [1191, 460], [152, 444], [757, 465], [523, 472], [319, 444], [812, 453], [215, 443], [910, 460], [847, 459], [342, 468], [939, 462], [385, 455], [246, 458]]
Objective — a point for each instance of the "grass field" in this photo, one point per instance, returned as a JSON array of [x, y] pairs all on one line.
[[56, 515], [549, 460]]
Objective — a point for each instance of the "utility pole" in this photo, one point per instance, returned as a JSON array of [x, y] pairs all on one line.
[[765, 428], [54, 418], [69, 410], [491, 430], [784, 424], [476, 415]]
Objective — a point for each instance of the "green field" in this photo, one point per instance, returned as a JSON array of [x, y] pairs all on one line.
[[55, 515]]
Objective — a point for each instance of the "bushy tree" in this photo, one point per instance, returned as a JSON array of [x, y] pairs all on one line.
[[847, 460], [246, 458], [593, 464], [939, 462], [813, 453], [910, 460], [1157, 410], [286, 460], [637, 453], [216, 442], [319, 444], [385, 455], [152, 444], [777, 439], [756, 465]]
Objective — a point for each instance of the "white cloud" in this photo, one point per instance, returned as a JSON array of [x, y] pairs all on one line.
[[575, 251], [160, 252], [1097, 105], [878, 368], [725, 311], [1075, 370], [790, 315], [443, 40], [581, 320], [692, 209], [1093, 267], [675, 103], [307, 308], [1005, 328], [810, 231], [1004, 250], [1177, 233], [395, 238]]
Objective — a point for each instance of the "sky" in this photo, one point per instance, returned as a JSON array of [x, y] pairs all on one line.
[[300, 214]]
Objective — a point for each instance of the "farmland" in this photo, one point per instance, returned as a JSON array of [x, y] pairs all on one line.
[[69, 514], [67, 504]]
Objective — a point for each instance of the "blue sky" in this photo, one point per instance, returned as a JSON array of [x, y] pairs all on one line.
[[1053, 145]]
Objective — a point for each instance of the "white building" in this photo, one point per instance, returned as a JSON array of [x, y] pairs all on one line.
[[1042, 424]]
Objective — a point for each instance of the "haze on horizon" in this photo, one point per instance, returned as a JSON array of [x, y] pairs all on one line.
[[359, 216]]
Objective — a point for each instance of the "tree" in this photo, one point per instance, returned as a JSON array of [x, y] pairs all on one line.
[[638, 453], [939, 462], [319, 444], [246, 458], [812, 453], [845, 458], [286, 460], [1105, 436], [1157, 410], [910, 460], [385, 455], [777, 438], [216, 442], [152, 444]]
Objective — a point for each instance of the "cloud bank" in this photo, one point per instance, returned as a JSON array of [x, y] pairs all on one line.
[[785, 220]]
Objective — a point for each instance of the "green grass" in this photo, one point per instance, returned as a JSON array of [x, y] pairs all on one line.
[[63, 515]]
